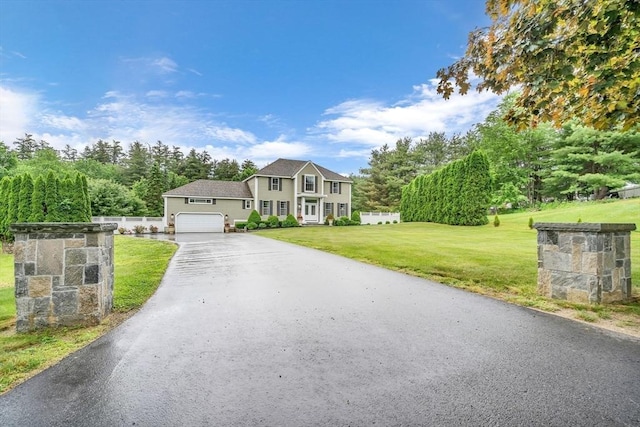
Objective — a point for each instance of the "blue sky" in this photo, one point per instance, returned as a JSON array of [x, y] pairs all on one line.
[[312, 80]]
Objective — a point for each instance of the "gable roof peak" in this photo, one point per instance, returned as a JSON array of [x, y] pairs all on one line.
[[289, 168]]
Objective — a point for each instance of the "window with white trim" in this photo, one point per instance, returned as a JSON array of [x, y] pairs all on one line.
[[342, 209], [335, 187], [247, 204], [265, 208], [328, 209], [282, 209], [197, 201], [310, 183], [274, 184]]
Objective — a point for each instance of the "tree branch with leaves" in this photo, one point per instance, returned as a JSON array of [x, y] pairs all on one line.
[[569, 58]]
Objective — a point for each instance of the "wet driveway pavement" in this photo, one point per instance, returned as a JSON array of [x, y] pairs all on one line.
[[248, 331]]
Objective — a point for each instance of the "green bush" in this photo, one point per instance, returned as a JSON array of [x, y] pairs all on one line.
[[241, 225], [379, 222], [262, 225], [355, 217], [252, 225], [255, 217], [395, 221], [530, 222], [496, 221], [272, 221], [387, 222], [290, 221]]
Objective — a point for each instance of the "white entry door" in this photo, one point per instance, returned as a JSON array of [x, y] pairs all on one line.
[[311, 211]]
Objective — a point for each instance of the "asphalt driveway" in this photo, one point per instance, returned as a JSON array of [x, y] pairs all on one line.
[[248, 331]]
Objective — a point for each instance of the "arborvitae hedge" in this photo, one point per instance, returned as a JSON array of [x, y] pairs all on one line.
[[52, 199], [458, 194], [38, 206]]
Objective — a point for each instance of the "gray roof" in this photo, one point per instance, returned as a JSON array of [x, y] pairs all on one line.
[[214, 189], [288, 168]]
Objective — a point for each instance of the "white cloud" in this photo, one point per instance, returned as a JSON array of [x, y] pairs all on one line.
[[122, 117], [156, 94], [368, 123], [228, 134], [17, 111], [165, 65], [62, 122], [162, 65], [269, 151]]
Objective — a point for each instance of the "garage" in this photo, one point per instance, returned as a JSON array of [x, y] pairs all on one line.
[[199, 223]]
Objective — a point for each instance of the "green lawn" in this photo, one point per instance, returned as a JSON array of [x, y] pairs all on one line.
[[139, 267], [486, 259]]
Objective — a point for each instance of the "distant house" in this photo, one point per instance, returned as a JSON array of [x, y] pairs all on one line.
[[627, 192], [302, 188]]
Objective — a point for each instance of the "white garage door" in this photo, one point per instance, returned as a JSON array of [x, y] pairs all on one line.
[[199, 223]]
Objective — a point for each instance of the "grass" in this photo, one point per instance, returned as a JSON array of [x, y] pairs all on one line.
[[139, 267], [499, 261]]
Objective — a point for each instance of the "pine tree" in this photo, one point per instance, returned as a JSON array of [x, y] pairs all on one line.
[[155, 187]]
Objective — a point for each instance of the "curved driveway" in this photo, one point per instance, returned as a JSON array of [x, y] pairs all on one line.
[[248, 331]]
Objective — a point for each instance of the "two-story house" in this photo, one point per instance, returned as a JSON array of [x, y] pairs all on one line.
[[302, 188]]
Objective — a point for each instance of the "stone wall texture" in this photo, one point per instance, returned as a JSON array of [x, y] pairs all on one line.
[[584, 262], [63, 274]]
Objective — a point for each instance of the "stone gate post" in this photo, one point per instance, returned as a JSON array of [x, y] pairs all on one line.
[[63, 273], [584, 262]]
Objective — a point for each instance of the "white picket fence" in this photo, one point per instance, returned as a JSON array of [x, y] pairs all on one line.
[[129, 222], [376, 217]]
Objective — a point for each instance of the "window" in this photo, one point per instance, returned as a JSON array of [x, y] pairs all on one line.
[[196, 201], [247, 204], [328, 209], [265, 207], [342, 209], [283, 208], [335, 187], [274, 184], [310, 183]]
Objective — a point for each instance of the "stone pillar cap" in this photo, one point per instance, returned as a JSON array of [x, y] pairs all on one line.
[[62, 227], [594, 227]]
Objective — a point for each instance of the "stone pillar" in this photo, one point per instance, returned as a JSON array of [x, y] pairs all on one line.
[[63, 273], [584, 262]]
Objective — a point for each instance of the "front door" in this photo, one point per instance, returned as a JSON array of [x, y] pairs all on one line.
[[311, 211]]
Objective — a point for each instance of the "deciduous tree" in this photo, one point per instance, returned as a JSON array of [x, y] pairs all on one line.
[[570, 58]]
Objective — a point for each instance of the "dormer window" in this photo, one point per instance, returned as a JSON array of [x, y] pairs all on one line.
[[310, 183]]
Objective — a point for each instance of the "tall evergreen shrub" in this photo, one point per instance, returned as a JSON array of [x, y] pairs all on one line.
[[38, 207], [24, 199], [458, 194]]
